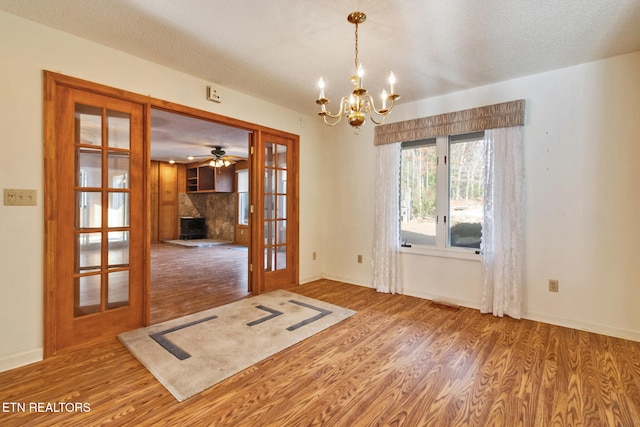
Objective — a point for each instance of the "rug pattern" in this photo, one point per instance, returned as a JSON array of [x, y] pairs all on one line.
[[192, 353]]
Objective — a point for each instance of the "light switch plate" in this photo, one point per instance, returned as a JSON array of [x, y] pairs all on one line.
[[17, 197]]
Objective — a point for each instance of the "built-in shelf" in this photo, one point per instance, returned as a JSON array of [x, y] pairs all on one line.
[[202, 178]]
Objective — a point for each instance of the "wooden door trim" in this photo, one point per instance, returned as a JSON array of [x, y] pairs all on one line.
[[51, 82], [258, 201]]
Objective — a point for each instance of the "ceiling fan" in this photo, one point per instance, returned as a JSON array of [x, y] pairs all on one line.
[[219, 158]]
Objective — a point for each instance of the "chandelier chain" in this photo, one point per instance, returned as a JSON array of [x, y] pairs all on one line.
[[356, 59]]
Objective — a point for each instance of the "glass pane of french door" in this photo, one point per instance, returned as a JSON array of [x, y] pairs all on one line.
[[102, 209], [275, 211]]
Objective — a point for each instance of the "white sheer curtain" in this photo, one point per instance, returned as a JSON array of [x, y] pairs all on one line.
[[503, 227], [386, 240]]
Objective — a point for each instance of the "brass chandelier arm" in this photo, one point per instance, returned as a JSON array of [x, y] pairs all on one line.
[[344, 108]]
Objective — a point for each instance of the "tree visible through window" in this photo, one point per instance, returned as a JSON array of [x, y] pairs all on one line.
[[418, 192], [441, 191], [466, 177]]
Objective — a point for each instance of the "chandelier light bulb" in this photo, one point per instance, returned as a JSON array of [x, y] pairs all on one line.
[[392, 81], [384, 99], [321, 85]]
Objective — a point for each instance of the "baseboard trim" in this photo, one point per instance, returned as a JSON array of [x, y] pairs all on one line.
[[311, 279], [17, 360], [626, 334], [432, 297], [346, 280]]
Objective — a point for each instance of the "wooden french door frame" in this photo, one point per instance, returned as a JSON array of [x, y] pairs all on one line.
[[51, 162], [93, 289], [264, 251]]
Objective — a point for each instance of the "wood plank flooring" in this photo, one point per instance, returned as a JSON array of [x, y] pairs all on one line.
[[188, 280], [400, 361]]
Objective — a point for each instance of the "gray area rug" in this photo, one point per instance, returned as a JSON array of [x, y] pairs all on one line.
[[192, 353]]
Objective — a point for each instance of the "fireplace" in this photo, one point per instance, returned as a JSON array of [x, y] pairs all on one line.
[[192, 228]]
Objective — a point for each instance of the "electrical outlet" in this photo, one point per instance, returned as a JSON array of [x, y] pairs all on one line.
[[359, 259], [553, 285]]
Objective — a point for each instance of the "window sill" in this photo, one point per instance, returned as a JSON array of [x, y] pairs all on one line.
[[464, 254]]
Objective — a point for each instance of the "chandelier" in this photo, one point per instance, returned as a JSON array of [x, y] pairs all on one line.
[[360, 103]]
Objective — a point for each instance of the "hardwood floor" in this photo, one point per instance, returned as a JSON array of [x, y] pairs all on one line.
[[399, 361], [189, 280]]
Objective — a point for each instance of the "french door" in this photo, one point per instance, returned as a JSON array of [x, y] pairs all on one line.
[[279, 222], [98, 234]]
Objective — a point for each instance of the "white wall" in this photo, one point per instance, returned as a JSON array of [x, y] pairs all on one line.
[[582, 138], [27, 49]]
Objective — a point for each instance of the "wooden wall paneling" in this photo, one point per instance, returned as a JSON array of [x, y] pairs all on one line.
[[182, 178], [168, 202], [225, 179], [154, 188]]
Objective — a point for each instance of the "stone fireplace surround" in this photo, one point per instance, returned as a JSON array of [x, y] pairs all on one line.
[[219, 209]]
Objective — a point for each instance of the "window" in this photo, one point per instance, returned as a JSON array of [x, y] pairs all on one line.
[[243, 196], [441, 191]]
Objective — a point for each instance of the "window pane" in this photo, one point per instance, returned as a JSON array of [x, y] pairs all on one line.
[[269, 233], [87, 295], [118, 246], [270, 258], [89, 163], [281, 232], [243, 180], [118, 129], [88, 124], [269, 207], [268, 154], [466, 175], [88, 252], [118, 209], [282, 181], [281, 151], [418, 195], [118, 289], [269, 181], [281, 257], [118, 168], [88, 209], [282, 207]]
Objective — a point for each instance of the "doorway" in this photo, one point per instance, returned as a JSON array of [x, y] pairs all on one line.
[[96, 287], [199, 214]]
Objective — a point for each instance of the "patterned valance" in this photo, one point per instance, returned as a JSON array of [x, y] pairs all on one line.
[[506, 114]]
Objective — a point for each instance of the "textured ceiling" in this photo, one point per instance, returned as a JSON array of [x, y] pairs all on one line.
[[277, 49]]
